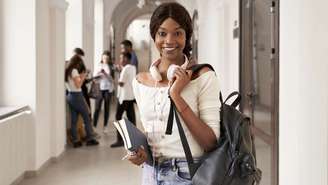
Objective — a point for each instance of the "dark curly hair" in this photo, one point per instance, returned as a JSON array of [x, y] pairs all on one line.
[[127, 43], [106, 52], [127, 55], [75, 62], [78, 51], [179, 14]]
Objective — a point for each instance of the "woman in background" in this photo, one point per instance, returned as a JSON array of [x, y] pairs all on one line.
[[105, 72], [75, 75]]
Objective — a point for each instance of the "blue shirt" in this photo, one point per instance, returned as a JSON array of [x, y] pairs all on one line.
[[134, 59]]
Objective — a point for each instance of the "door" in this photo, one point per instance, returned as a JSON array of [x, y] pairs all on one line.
[[259, 79]]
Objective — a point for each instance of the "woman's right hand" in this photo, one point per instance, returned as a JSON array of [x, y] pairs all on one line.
[[139, 158]]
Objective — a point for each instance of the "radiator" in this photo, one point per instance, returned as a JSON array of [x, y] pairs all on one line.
[[16, 146]]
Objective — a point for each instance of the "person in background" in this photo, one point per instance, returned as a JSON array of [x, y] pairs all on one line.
[[106, 81], [80, 53], [125, 93], [126, 46], [75, 74]]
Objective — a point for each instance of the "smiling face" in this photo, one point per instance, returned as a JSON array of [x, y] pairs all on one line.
[[170, 39]]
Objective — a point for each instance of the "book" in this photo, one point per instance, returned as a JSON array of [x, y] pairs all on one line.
[[133, 138]]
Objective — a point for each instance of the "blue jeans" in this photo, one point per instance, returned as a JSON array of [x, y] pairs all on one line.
[[169, 172], [106, 96], [78, 105]]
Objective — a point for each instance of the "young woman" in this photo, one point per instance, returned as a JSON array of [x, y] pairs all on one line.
[[196, 97], [106, 86], [75, 74]]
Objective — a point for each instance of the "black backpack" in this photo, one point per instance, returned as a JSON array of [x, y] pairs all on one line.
[[233, 161]]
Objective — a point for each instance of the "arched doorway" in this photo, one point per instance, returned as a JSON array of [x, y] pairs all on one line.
[[138, 33]]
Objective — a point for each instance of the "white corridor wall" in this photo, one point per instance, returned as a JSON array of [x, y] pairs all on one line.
[[18, 67], [88, 30], [80, 25], [303, 92], [217, 18], [30, 35], [73, 26], [99, 31]]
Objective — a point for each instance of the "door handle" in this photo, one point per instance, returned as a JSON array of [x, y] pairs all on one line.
[[251, 99], [250, 94]]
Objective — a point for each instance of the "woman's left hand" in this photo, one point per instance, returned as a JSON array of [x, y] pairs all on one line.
[[181, 79], [139, 157]]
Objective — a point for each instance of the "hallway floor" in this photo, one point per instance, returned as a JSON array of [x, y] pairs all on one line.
[[99, 165], [94, 165], [102, 165]]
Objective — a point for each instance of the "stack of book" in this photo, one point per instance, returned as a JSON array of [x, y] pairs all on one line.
[[133, 138]]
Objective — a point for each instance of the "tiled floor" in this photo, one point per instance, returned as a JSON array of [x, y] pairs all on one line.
[[102, 165], [96, 165]]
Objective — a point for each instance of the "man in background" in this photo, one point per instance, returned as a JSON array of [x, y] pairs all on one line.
[[126, 46], [125, 93]]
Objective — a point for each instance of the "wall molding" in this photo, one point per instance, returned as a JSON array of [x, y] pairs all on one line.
[[18, 180]]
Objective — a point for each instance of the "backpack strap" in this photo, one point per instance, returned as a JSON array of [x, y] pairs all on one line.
[[234, 103], [195, 69], [185, 144], [186, 148], [221, 99], [170, 119], [174, 114]]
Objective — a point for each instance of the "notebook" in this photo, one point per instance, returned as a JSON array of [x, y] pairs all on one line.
[[133, 138]]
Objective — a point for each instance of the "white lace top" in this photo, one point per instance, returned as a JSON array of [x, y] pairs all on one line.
[[202, 96]]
